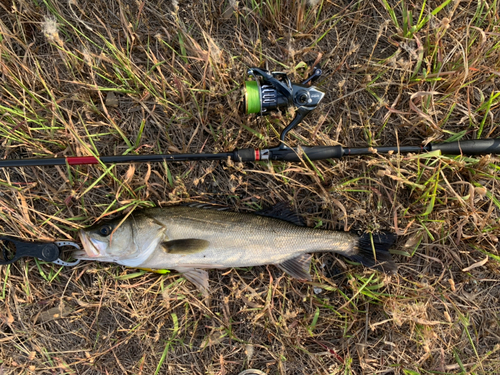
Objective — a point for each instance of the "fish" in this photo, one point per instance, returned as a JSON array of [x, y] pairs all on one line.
[[193, 238]]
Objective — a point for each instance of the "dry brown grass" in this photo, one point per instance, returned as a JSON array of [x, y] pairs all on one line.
[[148, 77]]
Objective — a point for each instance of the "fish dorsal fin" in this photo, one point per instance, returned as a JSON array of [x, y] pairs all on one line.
[[207, 206], [283, 212], [298, 267], [185, 246], [197, 277]]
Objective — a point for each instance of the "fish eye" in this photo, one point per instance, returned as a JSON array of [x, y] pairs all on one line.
[[106, 230]]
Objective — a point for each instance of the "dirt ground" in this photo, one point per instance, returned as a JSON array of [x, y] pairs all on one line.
[[83, 77]]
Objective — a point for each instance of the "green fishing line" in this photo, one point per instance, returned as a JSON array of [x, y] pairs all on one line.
[[252, 97]]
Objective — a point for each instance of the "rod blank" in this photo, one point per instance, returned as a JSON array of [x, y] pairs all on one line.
[[468, 147]]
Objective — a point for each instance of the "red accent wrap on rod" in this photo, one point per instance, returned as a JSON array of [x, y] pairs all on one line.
[[257, 155], [80, 160]]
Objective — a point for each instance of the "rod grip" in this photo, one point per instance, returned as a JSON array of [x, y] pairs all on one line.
[[469, 147], [313, 153]]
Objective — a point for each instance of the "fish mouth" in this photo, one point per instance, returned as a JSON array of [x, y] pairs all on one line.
[[91, 247]]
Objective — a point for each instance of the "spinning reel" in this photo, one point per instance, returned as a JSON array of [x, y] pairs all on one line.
[[273, 91]]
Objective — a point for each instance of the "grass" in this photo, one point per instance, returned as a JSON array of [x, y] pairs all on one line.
[[103, 78]]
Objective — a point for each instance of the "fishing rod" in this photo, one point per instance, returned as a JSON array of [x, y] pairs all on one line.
[[267, 93]]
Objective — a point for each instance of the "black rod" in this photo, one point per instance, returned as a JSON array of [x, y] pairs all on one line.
[[468, 147], [115, 159], [163, 157]]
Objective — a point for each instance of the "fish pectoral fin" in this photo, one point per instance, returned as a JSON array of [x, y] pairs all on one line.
[[298, 267], [185, 246], [197, 277]]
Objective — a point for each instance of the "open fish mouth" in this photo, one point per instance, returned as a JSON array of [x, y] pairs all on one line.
[[91, 248]]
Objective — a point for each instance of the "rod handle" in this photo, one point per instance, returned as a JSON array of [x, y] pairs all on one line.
[[312, 153], [469, 147]]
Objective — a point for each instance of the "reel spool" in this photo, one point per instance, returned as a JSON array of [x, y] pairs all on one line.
[[262, 96], [262, 99]]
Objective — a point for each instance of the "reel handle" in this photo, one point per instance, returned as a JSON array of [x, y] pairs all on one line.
[[302, 112]]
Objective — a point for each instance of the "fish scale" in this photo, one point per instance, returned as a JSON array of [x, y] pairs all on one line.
[[246, 242], [191, 239]]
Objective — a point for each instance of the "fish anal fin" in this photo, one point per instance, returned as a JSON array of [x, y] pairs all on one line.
[[298, 267], [185, 246], [198, 277]]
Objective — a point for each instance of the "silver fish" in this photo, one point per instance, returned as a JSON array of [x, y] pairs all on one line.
[[191, 239]]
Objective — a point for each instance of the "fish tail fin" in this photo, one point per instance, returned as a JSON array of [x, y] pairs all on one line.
[[373, 251]]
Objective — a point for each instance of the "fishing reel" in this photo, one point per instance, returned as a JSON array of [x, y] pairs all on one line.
[[273, 91]]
